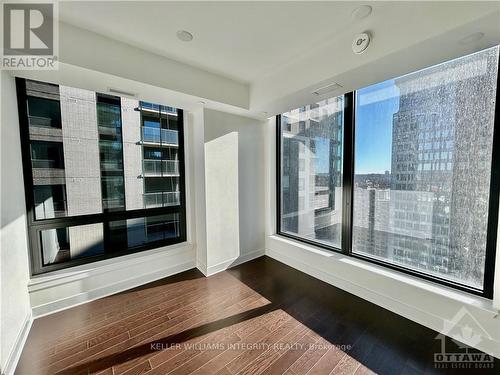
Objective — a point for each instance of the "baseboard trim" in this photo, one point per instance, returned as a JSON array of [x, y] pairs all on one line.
[[15, 354], [248, 257], [202, 267], [222, 266]]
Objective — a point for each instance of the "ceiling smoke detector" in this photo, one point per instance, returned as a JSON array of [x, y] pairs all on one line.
[[360, 43]]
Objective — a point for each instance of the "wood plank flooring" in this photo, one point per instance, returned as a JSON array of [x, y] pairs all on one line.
[[261, 317]]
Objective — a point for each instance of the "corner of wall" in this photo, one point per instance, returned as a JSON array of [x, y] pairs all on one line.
[[15, 354], [14, 262]]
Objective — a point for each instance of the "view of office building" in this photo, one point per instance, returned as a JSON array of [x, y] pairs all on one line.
[[426, 211], [312, 167], [430, 214]]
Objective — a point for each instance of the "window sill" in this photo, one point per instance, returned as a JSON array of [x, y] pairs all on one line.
[[391, 276], [43, 281]]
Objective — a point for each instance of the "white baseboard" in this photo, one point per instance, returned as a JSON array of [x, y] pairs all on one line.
[[15, 354], [212, 270], [75, 287], [410, 300], [202, 267], [248, 257]]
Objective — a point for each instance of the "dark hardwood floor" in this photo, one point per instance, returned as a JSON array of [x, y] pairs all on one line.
[[261, 317]]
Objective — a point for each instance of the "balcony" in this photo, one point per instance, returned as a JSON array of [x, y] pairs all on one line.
[[112, 165], [160, 136], [161, 199], [48, 176], [43, 133], [110, 131], [113, 203], [158, 168], [47, 163], [151, 107]]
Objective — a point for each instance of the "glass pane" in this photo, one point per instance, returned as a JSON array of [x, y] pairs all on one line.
[[64, 244], [83, 241], [50, 201], [109, 124], [47, 154], [94, 153], [422, 168], [152, 228], [311, 171], [44, 112]]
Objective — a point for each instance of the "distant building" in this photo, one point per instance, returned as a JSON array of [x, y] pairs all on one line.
[[94, 153], [439, 189], [311, 198]]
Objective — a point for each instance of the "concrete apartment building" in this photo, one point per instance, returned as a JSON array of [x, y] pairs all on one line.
[[96, 153]]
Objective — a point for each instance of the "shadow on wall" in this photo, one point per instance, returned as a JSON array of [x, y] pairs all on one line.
[[12, 185]]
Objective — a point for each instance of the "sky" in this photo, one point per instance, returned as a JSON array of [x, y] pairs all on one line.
[[376, 105], [323, 154]]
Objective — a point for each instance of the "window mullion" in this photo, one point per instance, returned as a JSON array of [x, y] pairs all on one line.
[[348, 172]]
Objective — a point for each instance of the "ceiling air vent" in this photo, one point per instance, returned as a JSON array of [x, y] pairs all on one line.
[[326, 89]]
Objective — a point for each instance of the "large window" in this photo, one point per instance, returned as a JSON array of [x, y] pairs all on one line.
[[419, 175], [311, 179], [103, 174]]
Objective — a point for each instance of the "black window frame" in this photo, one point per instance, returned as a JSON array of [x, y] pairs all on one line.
[[35, 226], [348, 192]]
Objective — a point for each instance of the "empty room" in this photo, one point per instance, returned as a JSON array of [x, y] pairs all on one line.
[[249, 187]]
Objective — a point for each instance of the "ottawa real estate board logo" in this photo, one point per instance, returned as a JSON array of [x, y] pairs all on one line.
[[30, 35], [465, 332]]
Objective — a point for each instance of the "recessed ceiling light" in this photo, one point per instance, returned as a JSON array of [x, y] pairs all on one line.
[[201, 102], [361, 12], [184, 35], [264, 113], [472, 38]]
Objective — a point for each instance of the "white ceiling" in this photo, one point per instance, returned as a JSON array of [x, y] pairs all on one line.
[[267, 56], [240, 40]]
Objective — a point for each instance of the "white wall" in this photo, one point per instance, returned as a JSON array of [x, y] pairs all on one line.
[[195, 142], [221, 182], [234, 179], [15, 312]]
